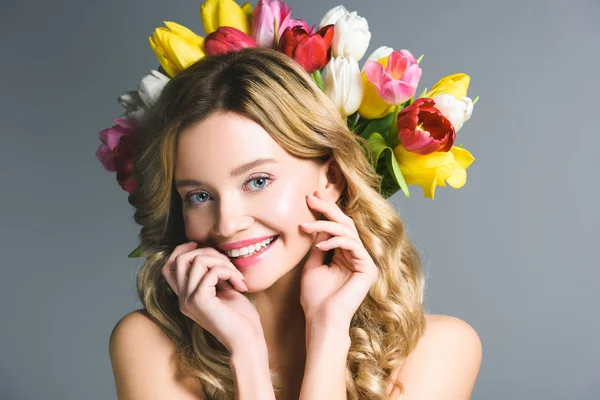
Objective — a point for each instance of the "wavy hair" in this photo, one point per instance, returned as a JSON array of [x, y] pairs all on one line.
[[274, 91]]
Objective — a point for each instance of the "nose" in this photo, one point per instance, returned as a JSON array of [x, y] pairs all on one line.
[[231, 217]]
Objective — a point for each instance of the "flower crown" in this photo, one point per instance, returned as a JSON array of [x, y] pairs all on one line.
[[411, 139]]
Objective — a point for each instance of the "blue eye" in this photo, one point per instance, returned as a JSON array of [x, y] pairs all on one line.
[[192, 197], [260, 178]]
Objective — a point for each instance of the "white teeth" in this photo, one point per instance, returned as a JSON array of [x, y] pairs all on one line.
[[249, 250]]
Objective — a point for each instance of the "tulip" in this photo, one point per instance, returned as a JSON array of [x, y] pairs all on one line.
[[268, 17], [303, 24], [435, 169], [312, 52], [344, 84], [422, 128], [226, 39], [138, 102], [217, 13], [332, 16], [135, 109], [352, 36], [373, 106], [456, 111], [397, 82], [176, 47], [378, 54], [151, 87], [117, 151], [456, 85]]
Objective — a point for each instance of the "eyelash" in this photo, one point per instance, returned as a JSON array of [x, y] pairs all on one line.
[[189, 196]]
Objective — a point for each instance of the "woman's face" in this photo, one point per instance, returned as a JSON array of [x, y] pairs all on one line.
[[224, 203]]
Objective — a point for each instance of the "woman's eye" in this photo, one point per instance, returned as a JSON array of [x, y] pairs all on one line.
[[262, 179], [197, 198]]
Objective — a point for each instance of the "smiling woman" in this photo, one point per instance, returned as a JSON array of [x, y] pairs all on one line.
[[274, 266]]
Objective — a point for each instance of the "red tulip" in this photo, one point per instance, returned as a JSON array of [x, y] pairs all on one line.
[[422, 128], [311, 51], [226, 39]]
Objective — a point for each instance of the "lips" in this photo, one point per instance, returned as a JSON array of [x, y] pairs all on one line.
[[244, 262], [242, 243]]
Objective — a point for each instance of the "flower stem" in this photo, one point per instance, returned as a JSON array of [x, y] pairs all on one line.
[[316, 75], [392, 136]]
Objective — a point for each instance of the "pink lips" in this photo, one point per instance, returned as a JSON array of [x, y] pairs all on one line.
[[245, 262], [242, 243]]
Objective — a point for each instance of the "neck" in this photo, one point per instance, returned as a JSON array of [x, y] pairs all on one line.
[[281, 314], [284, 326]]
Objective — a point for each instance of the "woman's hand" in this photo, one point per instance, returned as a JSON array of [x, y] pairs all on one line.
[[208, 286], [331, 293]]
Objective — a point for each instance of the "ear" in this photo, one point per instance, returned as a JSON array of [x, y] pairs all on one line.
[[332, 181]]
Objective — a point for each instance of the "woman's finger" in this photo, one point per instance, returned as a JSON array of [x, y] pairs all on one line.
[[346, 243], [331, 227], [331, 210], [207, 287], [169, 269], [200, 266]]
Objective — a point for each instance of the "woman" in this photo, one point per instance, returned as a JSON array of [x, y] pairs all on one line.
[[236, 146]]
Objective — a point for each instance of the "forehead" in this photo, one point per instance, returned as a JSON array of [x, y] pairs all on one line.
[[222, 142]]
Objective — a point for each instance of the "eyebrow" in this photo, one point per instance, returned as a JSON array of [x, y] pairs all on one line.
[[234, 172]]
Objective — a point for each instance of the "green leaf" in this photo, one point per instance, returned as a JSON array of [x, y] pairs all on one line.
[[378, 125], [378, 147], [420, 58], [476, 100], [394, 169], [136, 253]]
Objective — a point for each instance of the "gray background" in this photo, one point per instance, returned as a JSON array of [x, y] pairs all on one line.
[[514, 252]]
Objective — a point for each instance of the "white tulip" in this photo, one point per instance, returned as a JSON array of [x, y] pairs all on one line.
[[135, 109], [151, 86], [137, 103], [378, 54], [344, 84], [457, 111], [351, 36], [332, 16]]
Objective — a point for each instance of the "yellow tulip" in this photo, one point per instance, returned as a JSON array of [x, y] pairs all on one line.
[[176, 47], [435, 169], [247, 8], [373, 106], [216, 13], [456, 85]]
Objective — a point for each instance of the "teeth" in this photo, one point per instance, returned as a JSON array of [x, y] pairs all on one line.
[[249, 250]]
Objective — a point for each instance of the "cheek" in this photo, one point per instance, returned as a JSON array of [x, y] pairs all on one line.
[[194, 228], [289, 204]]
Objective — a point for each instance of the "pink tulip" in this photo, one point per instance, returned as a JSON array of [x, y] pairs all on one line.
[[397, 82], [226, 39], [264, 16], [117, 151]]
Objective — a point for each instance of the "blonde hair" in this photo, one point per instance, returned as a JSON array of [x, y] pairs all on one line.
[[274, 91]]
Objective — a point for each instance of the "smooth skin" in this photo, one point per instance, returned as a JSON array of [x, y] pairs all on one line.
[[294, 327]]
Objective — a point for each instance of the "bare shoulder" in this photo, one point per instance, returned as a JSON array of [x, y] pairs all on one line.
[[143, 362], [445, 363]]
